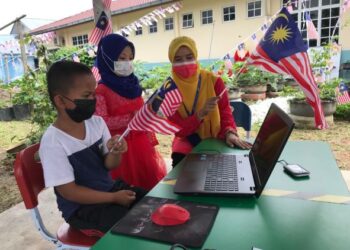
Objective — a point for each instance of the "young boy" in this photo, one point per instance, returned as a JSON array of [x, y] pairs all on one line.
[[77, 152]]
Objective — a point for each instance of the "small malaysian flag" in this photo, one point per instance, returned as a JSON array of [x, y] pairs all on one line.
[[311, 29], [95, 72], [343, 94], [103, 24], [162, 104], [170, 98]]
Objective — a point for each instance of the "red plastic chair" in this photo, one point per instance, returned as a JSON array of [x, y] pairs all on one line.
[[30, 181]]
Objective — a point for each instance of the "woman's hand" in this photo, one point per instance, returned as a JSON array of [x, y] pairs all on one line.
[[124, 197], [208, 107], [116, 147], [233, 140]]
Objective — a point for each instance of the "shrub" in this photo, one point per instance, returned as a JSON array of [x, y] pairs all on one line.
[[342, 112]]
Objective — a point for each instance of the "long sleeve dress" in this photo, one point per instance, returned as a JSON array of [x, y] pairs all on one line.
[[191, 124], [141, 165]]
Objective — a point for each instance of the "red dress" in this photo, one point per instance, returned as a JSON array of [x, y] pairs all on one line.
[[141, 165]]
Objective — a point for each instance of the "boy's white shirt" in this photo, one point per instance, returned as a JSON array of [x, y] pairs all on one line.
[[56, 146]]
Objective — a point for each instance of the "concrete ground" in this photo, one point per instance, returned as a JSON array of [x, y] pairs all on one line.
[[18, 231]]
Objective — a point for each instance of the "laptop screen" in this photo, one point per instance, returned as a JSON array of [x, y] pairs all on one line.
[[270, 141]]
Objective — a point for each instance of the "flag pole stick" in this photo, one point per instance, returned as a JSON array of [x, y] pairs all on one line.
[[235, 78], [126, 132]]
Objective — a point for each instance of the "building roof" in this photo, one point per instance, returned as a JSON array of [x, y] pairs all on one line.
[[117, 7]]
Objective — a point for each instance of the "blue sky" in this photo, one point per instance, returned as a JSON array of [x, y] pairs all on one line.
[[40, 9]]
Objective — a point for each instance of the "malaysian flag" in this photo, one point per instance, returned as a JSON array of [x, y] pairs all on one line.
[[283, 51], [103, 24], [162, 104], [310, 27], [95, 71], [343, 94]]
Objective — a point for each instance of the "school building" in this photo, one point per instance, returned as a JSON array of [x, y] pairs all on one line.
[[217, 26]]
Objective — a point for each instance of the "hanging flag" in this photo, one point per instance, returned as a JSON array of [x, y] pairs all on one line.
[[95, 71], [227, 56], [253, 37], [264, 27], [152, 116], [343, 94], [283, 51], [311, 29], [104, 23], [240, 46]]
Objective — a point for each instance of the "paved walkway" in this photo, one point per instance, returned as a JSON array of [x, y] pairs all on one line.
[[18, 231]]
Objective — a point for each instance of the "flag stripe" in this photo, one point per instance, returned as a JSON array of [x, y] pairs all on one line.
[[148, 121], [343, 98]]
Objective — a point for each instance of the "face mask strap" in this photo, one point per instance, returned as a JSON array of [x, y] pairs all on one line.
[[105, 55], [68, 99]]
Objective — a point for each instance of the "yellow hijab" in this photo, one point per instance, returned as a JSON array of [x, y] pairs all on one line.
[[210, 126]]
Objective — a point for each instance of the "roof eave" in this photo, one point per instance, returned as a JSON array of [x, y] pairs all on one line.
[[116, 12]]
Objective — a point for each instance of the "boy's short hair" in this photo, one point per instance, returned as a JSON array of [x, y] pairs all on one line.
[[60, 76]]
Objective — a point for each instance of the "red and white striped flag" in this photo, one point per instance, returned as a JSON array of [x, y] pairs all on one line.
[[95, 72], [161, 105], [310, 27], [342, 94], [283, 51], [102, 19]]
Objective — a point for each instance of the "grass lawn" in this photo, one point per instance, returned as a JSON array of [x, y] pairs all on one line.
[[12, 133]]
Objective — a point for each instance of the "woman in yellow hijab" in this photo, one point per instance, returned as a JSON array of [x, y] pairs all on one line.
[[203, 113]]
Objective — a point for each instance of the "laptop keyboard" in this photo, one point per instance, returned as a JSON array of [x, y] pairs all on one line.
[[222, 174]]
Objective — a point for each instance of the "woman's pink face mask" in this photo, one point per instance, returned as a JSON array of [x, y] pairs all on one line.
[[185, 69]]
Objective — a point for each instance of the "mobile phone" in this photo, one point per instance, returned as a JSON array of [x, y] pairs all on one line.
[[296, 170]]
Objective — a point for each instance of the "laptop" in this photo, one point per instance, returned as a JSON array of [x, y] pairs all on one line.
[[238, 174]]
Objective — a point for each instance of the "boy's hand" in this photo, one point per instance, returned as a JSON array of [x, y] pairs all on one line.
[[232, 140], [209, 106], [116, 147], [124, 197]]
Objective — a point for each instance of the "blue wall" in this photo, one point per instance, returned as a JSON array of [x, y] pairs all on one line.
[[15, 67]]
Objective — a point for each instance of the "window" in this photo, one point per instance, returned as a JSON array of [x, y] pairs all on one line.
[[323, 13], [138, 32], [187, 21], [63, 41], [79, 40], [229, 13], [169, 23], [254, 8], [207, 16], [153, 27]]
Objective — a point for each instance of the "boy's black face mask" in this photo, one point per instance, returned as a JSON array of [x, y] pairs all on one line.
[[84, 109]]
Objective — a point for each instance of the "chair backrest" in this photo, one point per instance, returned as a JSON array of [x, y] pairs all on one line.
[[29, 175], [242, 115]]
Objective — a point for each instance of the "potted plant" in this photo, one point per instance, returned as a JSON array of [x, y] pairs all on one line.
[[6, 111], [274, 84], [302, 112], [253, 84]]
